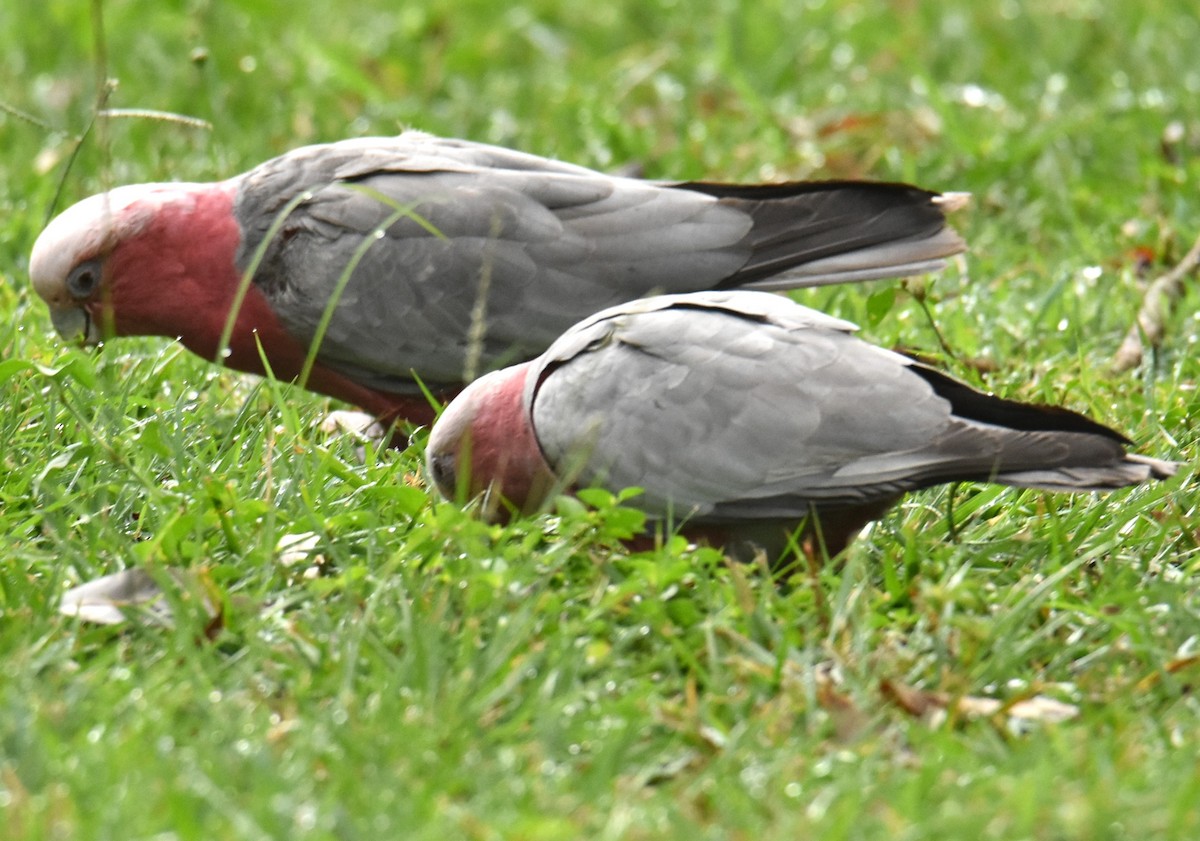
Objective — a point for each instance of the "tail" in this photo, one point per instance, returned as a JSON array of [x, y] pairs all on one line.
[[1045, 447], [1133, 470], [825, 232]]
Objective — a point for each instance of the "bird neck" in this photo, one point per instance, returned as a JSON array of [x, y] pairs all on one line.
[[504, 445], [177, 277]]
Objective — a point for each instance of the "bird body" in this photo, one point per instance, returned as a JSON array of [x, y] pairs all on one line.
[[745, 413], [416, 260]]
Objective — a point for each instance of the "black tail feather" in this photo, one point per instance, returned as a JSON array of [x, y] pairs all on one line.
[[974, 405], [802, 222]]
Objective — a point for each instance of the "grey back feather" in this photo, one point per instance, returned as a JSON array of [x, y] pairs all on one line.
[[495, 253], [526, 244], [744, 405]]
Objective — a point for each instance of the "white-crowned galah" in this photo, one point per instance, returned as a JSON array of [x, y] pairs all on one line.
[[744, 416], [422, 258]]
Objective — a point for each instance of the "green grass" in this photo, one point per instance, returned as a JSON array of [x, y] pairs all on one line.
[[449, 679]]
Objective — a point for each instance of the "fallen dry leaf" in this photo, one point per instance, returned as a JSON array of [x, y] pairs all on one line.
[[849, 722], [357, 424], [1157, 305], [915, 702], [1041, 708], [296, 549], [1174, 666], [935, 706]]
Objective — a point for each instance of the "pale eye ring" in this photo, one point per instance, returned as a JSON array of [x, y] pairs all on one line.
[[84, 280]]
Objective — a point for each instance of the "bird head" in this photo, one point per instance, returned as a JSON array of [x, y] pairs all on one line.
[[484, 444], [134, 260], [67, 265]]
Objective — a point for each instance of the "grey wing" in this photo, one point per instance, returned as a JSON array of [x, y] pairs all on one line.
[[718, 415], [516, 245]]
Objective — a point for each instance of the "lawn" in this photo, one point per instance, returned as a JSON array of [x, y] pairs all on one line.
[[424, 675]]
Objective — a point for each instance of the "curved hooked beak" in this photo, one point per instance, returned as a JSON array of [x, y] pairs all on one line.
[[75, 324]]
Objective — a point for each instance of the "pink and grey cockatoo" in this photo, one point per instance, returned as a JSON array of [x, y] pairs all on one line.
[[459, 257], [744, 416]]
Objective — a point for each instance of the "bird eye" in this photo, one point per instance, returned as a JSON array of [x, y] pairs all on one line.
[[441, 469], [84, 279]]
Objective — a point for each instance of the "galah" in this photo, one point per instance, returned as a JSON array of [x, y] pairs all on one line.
[[421, 261], [744, 417]]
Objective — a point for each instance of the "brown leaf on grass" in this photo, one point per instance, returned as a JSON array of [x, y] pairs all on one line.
[[1181, 663], [849, 722], [934, 706], [1156, 308], [1173, 667], [1140, 257], [916, 702], [849, 123]]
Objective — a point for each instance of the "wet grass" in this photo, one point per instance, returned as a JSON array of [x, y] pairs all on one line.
[[445, 678]]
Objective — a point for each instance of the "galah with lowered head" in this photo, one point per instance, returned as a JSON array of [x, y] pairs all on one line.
[[744, 416], [420, 258]]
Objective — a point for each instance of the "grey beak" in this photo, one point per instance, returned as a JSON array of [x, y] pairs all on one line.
[[75, 325]]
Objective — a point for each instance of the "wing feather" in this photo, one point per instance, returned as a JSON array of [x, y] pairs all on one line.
[[521, 246], [541, 242], [751, 407]]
